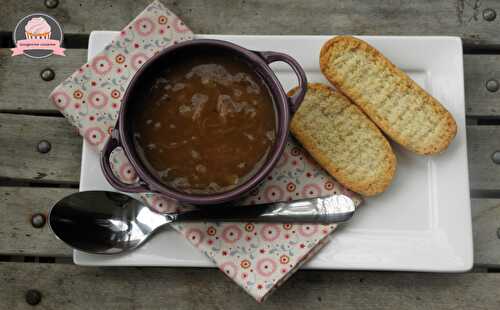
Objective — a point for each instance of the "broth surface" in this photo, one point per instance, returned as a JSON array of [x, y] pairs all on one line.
[[206, 123]]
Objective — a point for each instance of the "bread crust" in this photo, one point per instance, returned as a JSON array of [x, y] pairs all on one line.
[[368, 186], [442, 138]]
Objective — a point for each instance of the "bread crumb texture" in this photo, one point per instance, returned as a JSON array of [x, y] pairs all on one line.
[[399, 107], [344, 140]]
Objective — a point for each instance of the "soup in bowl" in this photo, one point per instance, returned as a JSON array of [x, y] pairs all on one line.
[[203, 122]]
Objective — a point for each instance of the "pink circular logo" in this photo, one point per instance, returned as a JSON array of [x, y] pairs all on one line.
[[38, 36]]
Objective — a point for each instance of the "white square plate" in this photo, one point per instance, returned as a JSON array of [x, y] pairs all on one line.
[[422, 223]]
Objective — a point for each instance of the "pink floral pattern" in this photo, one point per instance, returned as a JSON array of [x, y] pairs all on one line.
[[179, 25], [98, 99], [257, 256], [127, 172], [122, 168], [231, 234], [60, 99], [229, 268], [101, 65], [266, 267], [275, 193], [266, 254], [159, 203], [308, 230], [144, 26], [270, 232], [137, 60], [90, 97], [94, 135], [311, 190], [195, 236], [162, 204]]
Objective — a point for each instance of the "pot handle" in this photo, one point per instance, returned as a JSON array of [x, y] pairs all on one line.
[[296, 99], [113, 143]]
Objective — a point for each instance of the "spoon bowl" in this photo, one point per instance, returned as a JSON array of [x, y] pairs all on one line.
[[103, 222]]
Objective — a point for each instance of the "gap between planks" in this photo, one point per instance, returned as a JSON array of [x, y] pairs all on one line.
[[74, 287], [19, 237], [482, 106], [391, 17], [20, 135]]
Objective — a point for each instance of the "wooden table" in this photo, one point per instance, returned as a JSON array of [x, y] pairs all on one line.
[[36, 268]]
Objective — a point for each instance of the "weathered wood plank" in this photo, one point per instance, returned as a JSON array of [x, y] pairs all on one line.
[[73, 287], [19, 158], [482, 142], [17, 235], [19, 135], [22, 88], [486, 225], [18, 204], [15, 72], [394, 17], [479, 69]]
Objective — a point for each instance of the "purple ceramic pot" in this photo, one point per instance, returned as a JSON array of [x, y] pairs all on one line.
[[259, 61]]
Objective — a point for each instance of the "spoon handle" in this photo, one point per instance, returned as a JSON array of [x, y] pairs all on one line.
[[326, 210]]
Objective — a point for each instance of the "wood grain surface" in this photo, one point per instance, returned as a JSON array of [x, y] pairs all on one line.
[[17, 235], [482, 142], [20, 135], [486, 226], [462, 18], [19, 158], [478, 70], [26, 117], [71, 287], [18, 72], [22, 88]]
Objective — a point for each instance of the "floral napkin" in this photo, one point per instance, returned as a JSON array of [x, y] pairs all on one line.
[[257, 256]]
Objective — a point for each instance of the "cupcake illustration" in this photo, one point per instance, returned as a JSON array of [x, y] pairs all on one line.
[[37, 28]]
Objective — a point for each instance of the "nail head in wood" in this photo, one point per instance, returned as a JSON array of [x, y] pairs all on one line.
[[47, 74], [51, 4], [43, 146], [495, 157], [33, 297], [489, 14], [38, 220], [492, 85]]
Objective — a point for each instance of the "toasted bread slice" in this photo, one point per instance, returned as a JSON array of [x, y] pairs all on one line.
[[344, 140], [401, 108]]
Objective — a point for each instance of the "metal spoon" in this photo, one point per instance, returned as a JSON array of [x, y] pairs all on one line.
[[101, 222]]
